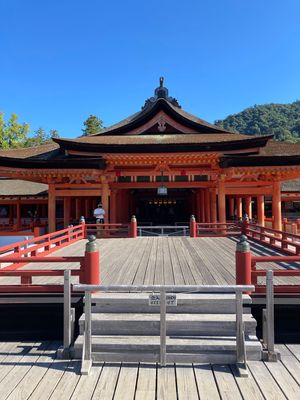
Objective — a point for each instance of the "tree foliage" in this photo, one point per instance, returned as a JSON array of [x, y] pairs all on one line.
[[40, 136], [92, 124], [281, 120], [12, 133], [15, 135]]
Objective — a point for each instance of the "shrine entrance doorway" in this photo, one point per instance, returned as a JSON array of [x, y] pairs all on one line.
[[174, 208]]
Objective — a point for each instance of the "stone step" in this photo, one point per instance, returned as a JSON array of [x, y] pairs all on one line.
[[188, 349], [186, 303], [177, 324]]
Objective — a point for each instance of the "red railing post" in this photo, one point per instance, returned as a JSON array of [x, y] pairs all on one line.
[[243, 262], [193, 227], [91, 265], [133, 227]]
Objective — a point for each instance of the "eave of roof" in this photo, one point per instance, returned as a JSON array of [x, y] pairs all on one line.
[[66, 163], [163, 143]]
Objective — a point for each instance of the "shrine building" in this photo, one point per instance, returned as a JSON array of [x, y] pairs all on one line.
[[161, 164]]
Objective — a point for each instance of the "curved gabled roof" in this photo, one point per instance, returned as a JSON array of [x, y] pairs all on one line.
[[147, 113]]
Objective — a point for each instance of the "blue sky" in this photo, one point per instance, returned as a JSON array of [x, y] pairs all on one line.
[[62, 60]]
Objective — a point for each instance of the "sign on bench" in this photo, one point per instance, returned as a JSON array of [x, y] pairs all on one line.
[[154, 300]]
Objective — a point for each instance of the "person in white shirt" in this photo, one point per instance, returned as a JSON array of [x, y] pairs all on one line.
[[99, 214]]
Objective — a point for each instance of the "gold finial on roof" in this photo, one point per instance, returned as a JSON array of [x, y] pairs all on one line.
[[161, 81]]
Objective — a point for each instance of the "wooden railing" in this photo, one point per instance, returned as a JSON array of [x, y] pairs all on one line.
[[278, 240], [162, 357], [108, 230], [39, 246], [218, 229], [247, 271], [88, 271]]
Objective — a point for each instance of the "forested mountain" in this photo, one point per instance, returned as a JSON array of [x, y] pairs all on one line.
[[282, 120]]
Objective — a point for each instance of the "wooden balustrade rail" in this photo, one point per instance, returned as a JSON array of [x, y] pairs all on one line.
[[247, 272], [206, 229], [287, 242]]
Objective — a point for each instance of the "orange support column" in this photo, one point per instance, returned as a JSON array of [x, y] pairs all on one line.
[[248, 206], [207, 206], [198, 200], [239, 207], [276, 205], [113, 206], [213, 205], [105, 201], [67, 210], [231, 207], [202, 206], [77, 209], [51, 208], [18, 223], [261, 210], [221, 201]]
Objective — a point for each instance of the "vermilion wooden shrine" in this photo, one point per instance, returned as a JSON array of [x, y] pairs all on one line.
[[161, 164]]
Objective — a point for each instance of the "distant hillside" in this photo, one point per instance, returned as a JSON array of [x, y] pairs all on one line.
[[282, 120]]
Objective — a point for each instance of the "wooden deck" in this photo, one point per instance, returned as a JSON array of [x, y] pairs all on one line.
[[163, 260], [31, 371]]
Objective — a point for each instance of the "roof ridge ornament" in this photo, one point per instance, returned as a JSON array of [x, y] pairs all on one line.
[[161, 92]]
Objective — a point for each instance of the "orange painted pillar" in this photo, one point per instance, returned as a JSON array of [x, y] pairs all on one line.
[[202, 206], [213, 205], [67, 210], [105, 201], [231, 207], [198, 200], [261, 210], [221, 201], [51, 208], [276, 205], [113, 207], [207, 205], [77, 208], [239, 207], [248, 206], [18, 222]]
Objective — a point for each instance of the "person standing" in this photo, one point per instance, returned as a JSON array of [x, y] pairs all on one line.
[[99, 214]]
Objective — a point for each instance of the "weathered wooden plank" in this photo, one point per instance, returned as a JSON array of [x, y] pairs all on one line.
[[146, 383], [47, 385], [265, 381], [87, 383], [13, 357], [166, 383], [68, 382], [128, 373], [186, 383], [205, 380], [20, 369], [284, 380], [31, 379], [107, 382], [248, 387], [226, 384]]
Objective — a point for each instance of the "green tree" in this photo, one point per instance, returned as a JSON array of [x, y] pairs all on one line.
[[40, 137], [92, 125], [12, 134], [281, 120]]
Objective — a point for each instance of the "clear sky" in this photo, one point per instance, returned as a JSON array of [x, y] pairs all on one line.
[[62, 60]]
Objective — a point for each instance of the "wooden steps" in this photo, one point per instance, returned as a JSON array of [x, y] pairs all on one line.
[[201, 328]]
